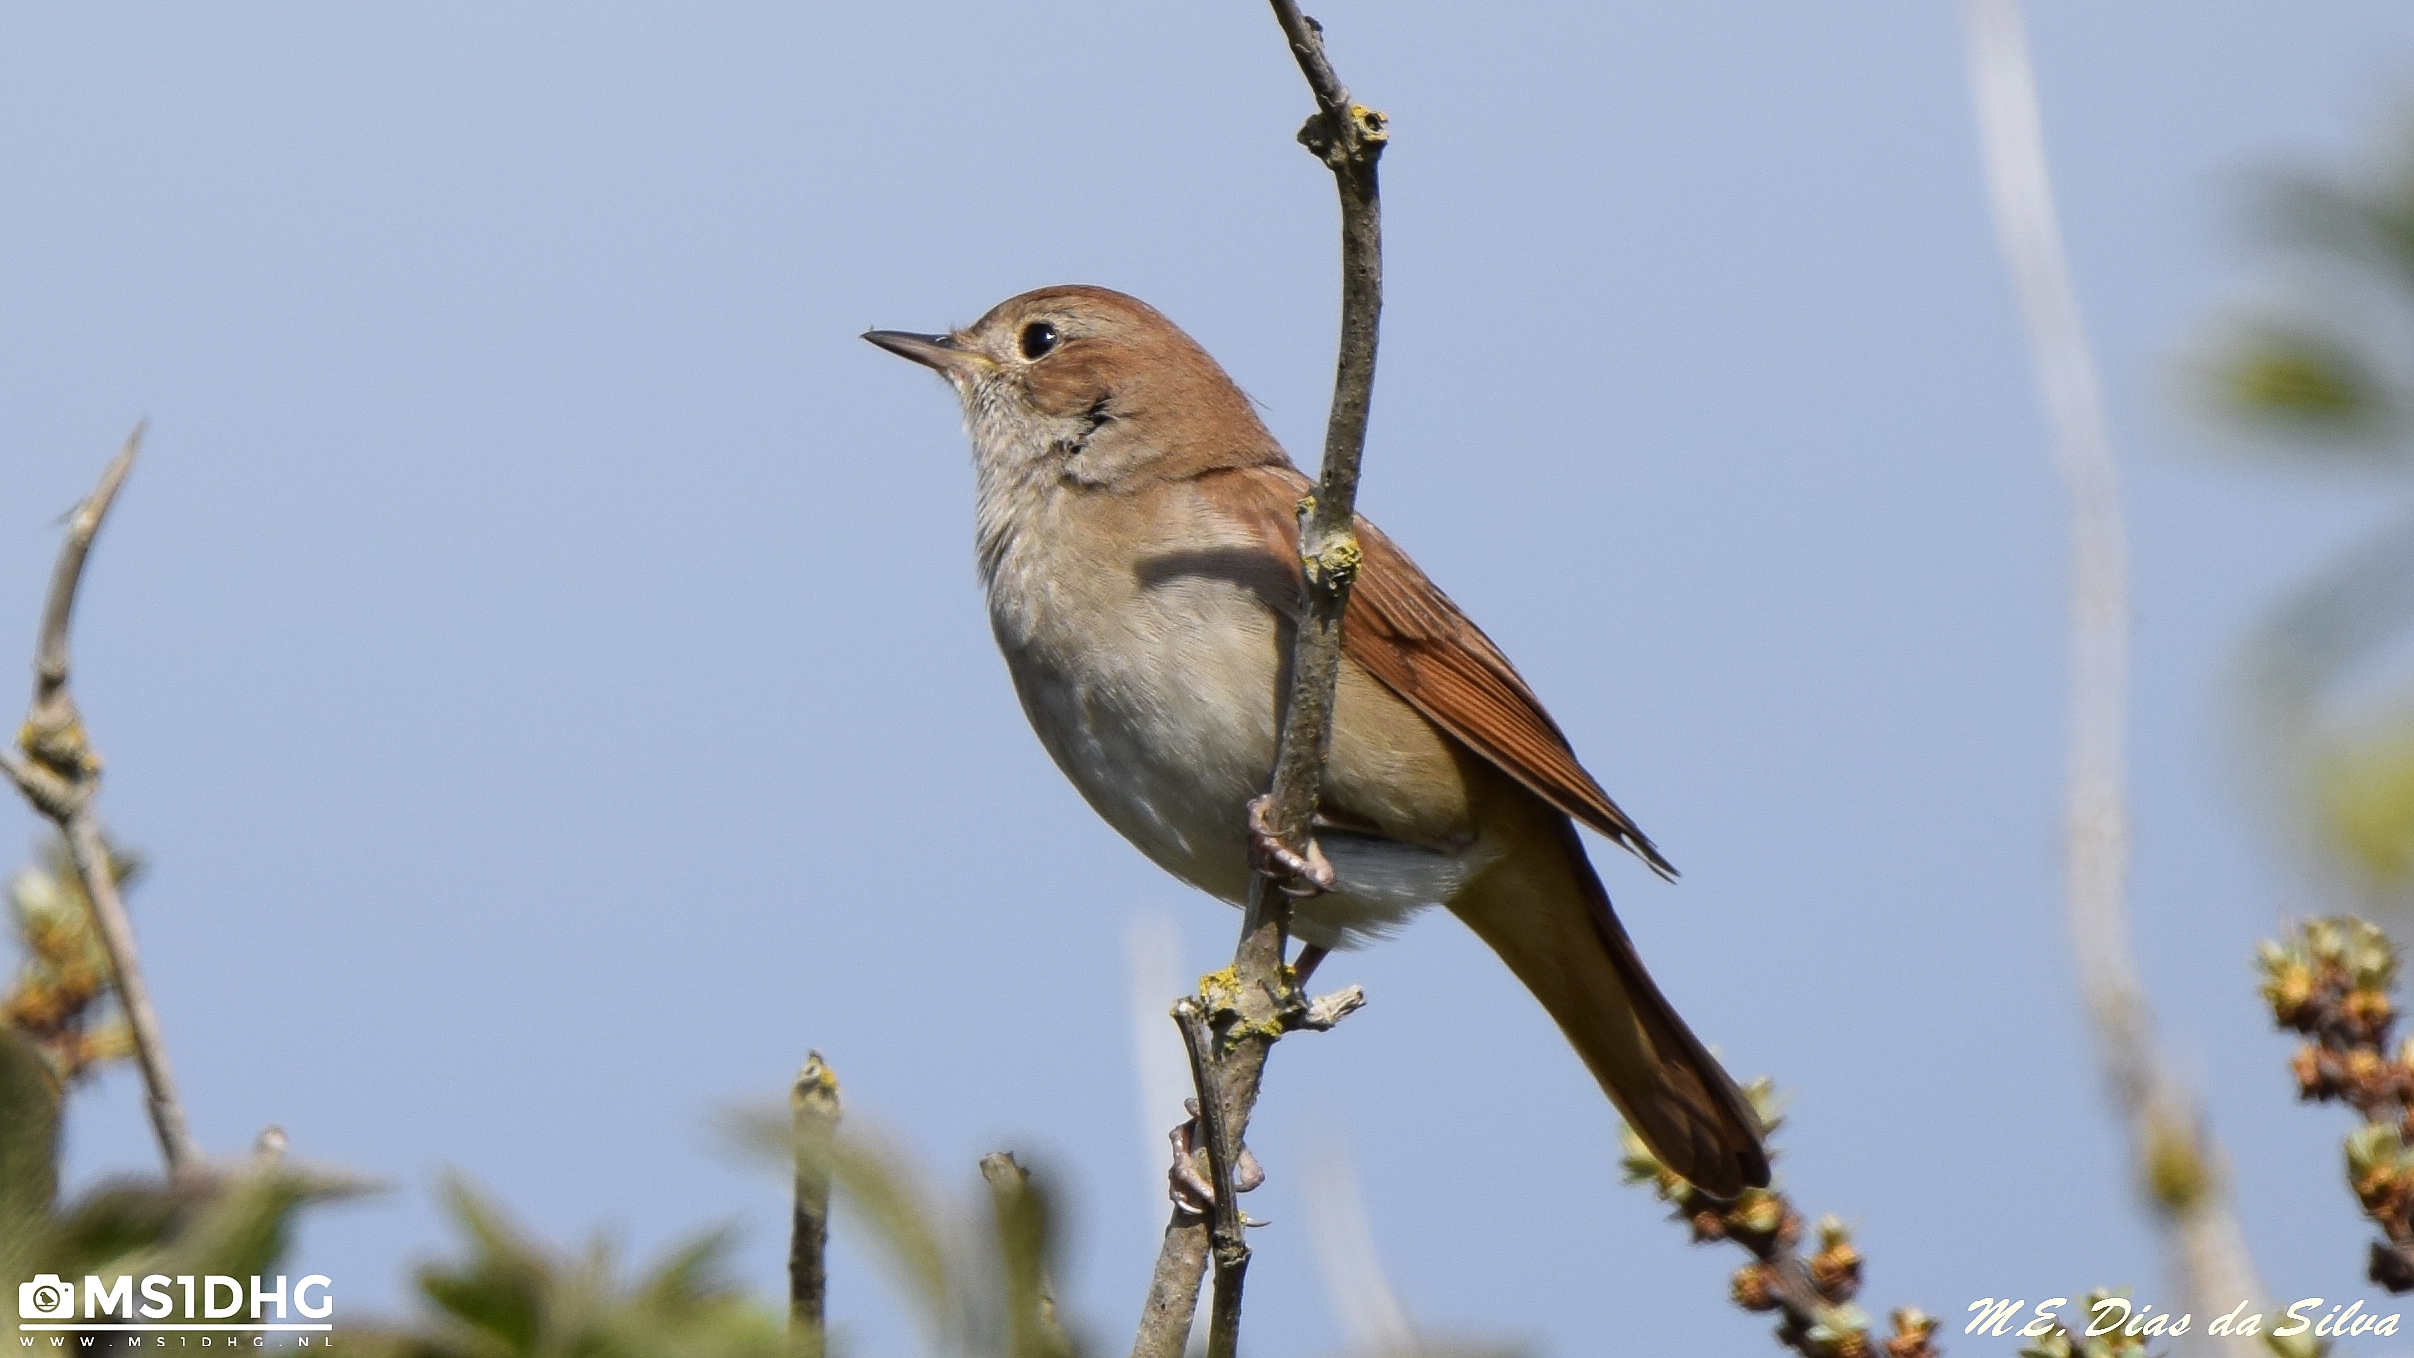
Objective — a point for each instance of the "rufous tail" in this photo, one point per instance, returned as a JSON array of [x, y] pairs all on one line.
[[1548, 916]]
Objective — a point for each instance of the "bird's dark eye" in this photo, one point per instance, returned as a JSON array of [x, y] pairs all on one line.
[[1037, 339]]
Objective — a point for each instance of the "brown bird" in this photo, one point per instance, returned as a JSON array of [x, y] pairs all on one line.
[[1136, 535]]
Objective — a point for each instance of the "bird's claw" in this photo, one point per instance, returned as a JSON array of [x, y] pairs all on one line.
[[1187, 1182], [1184, 1183], [1298, 874]]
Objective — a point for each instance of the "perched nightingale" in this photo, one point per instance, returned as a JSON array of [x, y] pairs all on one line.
[[1137, 534]]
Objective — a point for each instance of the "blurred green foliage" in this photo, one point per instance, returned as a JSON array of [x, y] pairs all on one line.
[[2319, 376], [509, 1296], [2325, 376], [231, 1220], [978, 1277], [2304, 383], [2363, 790]]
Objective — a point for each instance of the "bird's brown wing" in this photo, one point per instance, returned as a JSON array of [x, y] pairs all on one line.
[[1408, 634]]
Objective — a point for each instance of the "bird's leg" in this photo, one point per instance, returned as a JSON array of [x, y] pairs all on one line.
[[1309, 956], [1187, 1182], [1298, 874]]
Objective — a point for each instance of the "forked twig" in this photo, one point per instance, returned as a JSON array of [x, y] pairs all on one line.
[[59, 774]]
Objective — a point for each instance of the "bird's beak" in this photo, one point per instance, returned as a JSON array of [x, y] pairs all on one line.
[[938, 352]]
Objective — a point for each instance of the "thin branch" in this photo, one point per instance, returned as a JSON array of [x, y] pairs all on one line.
[[50, 651], [59, 776], [813, 1112], [2178, 1157], [1173, 1290], [1227, 1225], [1306, 37], [1261, 1001]]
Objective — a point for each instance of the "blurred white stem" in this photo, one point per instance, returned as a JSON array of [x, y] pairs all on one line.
[[2205, 1238], [1371, 1314]]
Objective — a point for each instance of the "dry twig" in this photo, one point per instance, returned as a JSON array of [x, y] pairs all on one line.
[[60, 774], [813, 1112], [1262, 1001]]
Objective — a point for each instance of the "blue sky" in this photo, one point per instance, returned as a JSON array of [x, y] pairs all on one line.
[[541, 656]]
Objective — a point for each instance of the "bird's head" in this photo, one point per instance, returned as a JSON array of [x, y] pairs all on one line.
[[1088, 385]]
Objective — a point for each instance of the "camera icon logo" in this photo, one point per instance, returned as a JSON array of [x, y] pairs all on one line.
[[47, 1297]]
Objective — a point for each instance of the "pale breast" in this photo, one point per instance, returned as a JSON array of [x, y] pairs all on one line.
[[1146, 657], [1155, 696]]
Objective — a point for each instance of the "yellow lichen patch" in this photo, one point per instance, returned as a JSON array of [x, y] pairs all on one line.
[[816, 1078], [1221, 990], [1338, 561], [63, 748]]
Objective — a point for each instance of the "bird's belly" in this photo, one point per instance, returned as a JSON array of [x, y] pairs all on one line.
[[1163, 717]]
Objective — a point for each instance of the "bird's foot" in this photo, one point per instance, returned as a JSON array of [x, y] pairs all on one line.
[[1297, 873], [1187, 1182]]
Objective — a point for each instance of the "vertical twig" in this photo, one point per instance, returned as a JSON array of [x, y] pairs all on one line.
[[1227, 1226], [1261, 1000], [1025, 1243], [2179, 1159], [1349, 139], [813, 1111], [1173, 1290], [60, 775]]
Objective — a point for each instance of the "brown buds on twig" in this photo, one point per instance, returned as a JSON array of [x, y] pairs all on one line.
[[1815, 1295], [2330, 980]]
